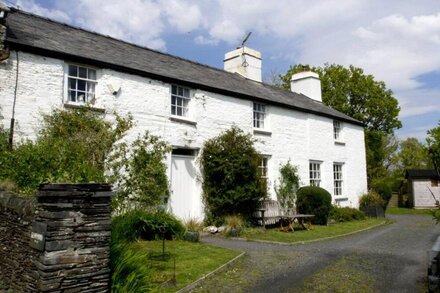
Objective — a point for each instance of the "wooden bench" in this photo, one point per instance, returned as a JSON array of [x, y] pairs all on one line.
[[271, 213]]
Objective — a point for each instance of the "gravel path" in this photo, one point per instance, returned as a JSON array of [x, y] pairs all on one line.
[[392, 258]]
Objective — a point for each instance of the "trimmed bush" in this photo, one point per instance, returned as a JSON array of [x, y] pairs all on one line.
[[345, 214], [140, 224], [314, 200], [383, 188], [231, 181], [371, 199]]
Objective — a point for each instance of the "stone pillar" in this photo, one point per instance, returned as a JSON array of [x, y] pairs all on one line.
[[72, 231]]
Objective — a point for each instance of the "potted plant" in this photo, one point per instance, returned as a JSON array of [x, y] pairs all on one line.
[[372, 204], [193, 228]]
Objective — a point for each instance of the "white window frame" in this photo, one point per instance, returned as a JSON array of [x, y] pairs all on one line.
[[315, 173], [338, 179], [180, 99], [263, 168], [89, 96], [259, 115], [337, 130]]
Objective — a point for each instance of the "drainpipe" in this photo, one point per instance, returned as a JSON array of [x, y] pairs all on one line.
[[11, 128]]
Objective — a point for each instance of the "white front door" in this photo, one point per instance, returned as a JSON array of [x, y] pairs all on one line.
[[185, 200]]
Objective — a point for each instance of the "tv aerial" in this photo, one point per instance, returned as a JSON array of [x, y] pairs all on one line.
[[243, 56]]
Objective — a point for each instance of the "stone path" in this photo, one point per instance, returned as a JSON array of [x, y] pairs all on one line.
[[392, 258]]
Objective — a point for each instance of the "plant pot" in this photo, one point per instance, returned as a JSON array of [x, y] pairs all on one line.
[[373, 211], [191, 236]]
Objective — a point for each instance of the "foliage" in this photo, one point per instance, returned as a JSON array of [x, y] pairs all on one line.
[[371, 199], [71, 146], [130, 271], [289, 182], [360, 96], [139, 173], [231, 183], [314, 200], [193, 225], [147, 225], [234, 225], [433, 141], [345, 214], [412, 154], [383, 186]]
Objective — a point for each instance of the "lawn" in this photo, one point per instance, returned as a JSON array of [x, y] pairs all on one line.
[[406, 211], [317, 232], [192, 261]]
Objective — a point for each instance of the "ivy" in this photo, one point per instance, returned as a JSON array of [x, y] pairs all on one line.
[[287, 187]]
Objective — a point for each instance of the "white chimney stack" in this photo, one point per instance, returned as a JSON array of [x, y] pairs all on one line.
[[308, 84], [244, 61]]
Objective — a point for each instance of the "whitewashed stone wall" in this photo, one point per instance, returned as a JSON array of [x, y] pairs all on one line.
[[295, 135]]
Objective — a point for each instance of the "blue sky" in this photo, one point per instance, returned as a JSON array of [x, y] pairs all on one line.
[[396, 41]]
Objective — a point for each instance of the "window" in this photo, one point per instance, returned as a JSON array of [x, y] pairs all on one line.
[[262, 168], [180, 98], [337, 130], [337, 179], [259, 115], [81, 84], [315, 173]]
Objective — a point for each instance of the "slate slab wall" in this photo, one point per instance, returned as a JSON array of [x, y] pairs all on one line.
[[17, 269], [60, 243]]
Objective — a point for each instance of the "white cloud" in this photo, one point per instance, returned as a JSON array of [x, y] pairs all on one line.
[[33, 7], [201, 40], [182, 15]]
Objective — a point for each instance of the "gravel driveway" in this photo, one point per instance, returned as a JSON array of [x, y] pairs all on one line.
[[391, 258]]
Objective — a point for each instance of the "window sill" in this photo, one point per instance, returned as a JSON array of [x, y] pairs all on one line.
[[83, 106], [337, 142], [339, 199], [182, 120], [262, 132]]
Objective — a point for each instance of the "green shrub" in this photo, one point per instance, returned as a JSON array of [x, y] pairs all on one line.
[[384, 188], [130, 270], [234, 225], [314, 200], [345, 214], [231, 181], [147, 225], [287, 186], [140, 173], [371, 199]]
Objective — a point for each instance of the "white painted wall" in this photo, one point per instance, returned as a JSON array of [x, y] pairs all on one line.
[[422, 195], [295, 135]]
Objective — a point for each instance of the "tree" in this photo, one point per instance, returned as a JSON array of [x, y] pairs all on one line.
[[433, 141], [231, 181], [360, 96], [412, 154]]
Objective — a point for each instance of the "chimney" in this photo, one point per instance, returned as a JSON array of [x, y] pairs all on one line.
[[308, 84], [244, 61], [4, 10]]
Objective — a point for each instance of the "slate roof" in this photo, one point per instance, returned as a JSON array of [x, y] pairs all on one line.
[[421, 174], [28, 32]]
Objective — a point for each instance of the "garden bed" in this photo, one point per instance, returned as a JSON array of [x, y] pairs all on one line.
[[316, 233]]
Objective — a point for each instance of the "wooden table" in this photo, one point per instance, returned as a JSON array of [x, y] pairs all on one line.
[[301, 218]]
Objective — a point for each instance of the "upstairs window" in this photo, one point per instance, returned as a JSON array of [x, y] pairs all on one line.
[[81, 84], [315, 173], [259, 115], [337, 130], [180, 98], [337, 179]]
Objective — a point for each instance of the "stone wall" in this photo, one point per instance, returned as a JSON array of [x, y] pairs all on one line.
[[17, 270], [68, 228]]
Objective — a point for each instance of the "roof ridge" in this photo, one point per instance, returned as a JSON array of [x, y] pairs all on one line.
[[115, 39]]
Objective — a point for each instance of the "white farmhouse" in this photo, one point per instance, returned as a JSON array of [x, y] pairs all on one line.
[[47, 64]]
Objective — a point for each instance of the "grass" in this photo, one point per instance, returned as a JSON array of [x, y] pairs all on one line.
[[406, 211], [317, 232], [192, 261]]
